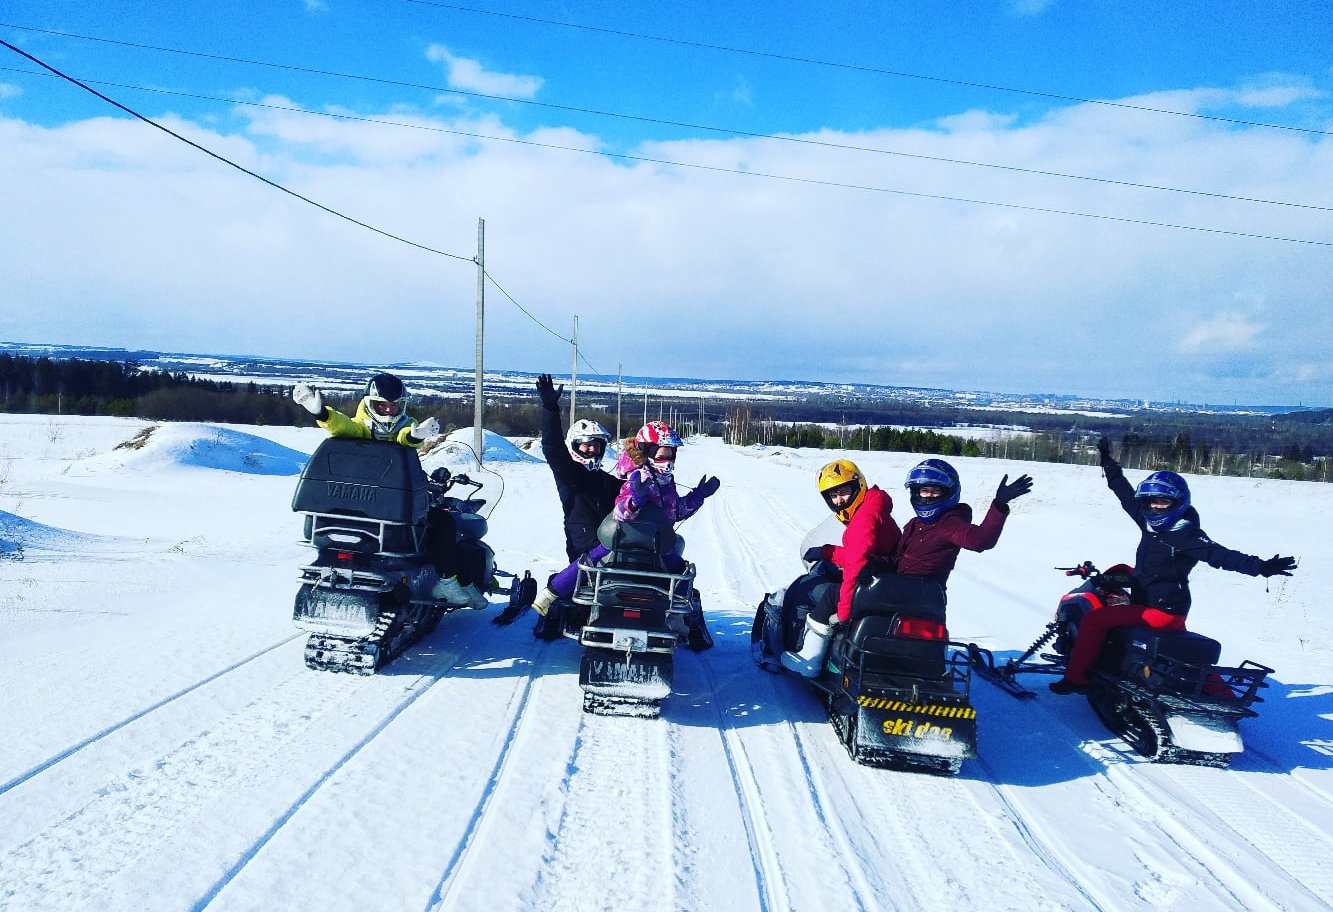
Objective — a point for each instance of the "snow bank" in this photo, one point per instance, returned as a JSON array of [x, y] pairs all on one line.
[[457, 453], [204, 446], [22, 538]]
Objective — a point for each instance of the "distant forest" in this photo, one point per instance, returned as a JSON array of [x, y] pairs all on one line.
[[1296, 445]]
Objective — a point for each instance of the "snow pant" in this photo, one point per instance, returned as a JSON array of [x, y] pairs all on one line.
[[450, 556], [563, 583], [1092, 630]]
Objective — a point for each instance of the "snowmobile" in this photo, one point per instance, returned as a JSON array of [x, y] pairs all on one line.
[[629, 613], [896, 688], [367, 596], [1161, 691]]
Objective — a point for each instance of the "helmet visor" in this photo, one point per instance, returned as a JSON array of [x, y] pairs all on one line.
[[386, 408], [590, 447]]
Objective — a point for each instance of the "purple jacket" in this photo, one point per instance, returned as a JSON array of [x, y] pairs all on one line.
[[660, 490]]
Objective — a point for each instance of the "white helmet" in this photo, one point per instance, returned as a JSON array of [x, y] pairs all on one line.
[[583, 432]]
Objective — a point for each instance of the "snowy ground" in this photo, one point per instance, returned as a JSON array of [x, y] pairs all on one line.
[[166, 749]]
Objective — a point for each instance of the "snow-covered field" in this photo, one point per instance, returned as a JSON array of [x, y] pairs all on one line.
[[166, 749]]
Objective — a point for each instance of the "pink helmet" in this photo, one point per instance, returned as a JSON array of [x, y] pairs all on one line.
[[652, 437]]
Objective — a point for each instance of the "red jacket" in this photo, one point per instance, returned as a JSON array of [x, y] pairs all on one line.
[[931, 549], [871, 533]]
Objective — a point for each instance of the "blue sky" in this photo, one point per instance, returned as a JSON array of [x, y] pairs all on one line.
[[947, 256]]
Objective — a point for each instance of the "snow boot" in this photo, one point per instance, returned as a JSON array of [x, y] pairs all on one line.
[[544, 600], [1064, 687], [809, 662], [449, 589]]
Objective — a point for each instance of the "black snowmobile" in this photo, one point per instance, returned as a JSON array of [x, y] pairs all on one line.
[[367, 596], [1161, 691], [895, 686], [629, 613]]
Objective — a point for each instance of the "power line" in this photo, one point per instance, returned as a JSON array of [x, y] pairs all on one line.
[[734, 171], [226, 161], [663, 122], [274, 184], [869, 69]]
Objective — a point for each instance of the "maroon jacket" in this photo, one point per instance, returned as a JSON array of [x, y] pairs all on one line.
[[873, 532], [931, 549]]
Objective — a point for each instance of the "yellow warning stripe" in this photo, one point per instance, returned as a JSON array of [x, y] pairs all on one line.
[[925, 709]]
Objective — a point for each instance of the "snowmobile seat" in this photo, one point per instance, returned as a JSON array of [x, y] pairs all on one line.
[[1152, 645], [639, 543], [362, 495], [885, 594]]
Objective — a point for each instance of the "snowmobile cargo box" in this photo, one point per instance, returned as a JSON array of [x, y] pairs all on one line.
[[366, 478], [1157, 657], [362, 495]]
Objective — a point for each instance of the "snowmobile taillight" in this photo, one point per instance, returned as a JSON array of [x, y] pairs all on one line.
[[631, 613], [345, 555], [919, 629]]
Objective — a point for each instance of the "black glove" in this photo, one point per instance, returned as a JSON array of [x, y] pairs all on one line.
[[1008, 491], [1104, 449], [813, 555], [708, 486], [549, 392], [1277, 566]]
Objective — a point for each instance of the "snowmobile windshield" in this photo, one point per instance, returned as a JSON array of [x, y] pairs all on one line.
[[828, 532]]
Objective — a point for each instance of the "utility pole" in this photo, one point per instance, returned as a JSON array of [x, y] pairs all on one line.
[[478, 407], [620, 380], [574, 371]]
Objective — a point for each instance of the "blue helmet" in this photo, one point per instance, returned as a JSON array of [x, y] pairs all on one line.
[[1163, 485], [934, 472]]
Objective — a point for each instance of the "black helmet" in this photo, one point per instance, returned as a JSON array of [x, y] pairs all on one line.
[[385, 402]]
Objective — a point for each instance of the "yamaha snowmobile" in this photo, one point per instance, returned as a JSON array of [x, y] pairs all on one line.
[[896, 688], [367, 596], [1161, 691], [629, 613]]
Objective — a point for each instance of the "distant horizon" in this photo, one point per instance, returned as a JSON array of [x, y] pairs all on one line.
[[603, 379]]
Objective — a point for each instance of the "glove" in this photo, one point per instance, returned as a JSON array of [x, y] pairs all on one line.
[[309, 399], [1104, 449], [813, 555], [708, 486], [425, 430], [549, 393], [1008, 491], [1277, 566], [640, 481]]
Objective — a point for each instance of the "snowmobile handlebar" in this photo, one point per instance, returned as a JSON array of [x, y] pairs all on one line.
[[1084, 570]]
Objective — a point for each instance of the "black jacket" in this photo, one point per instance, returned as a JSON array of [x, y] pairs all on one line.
[[1164, 559], [585, 496]]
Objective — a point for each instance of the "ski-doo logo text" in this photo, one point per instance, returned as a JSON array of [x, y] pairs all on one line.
[[910, 728], [345, 491]]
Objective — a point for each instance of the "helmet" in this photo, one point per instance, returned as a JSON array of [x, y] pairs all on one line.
[[385, 402], [938, 473], [586, 431], [840, 474], [651, 437], [1164, 486]]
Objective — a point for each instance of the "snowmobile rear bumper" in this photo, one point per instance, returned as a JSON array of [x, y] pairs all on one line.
[[617, 683], [891, 732], [342, 612]]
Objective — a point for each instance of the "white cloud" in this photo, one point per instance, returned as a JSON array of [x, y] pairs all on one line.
[[315, 6], [1224, 333], [470, 76], [688, 271], [1029, 7], [9, 90]]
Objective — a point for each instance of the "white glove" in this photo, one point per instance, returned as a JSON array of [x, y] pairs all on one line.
[[309, 399], [425, 430]]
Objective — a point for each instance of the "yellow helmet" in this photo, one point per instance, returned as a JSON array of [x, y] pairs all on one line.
[[837, 474]]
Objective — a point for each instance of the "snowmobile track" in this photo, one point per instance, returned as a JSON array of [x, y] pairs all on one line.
[[131, 719], [478, 824], [769, 880]]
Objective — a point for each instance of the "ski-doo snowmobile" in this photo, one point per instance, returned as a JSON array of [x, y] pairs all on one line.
[[897, 689], [367, 596], [1159, 690], [629, 613]]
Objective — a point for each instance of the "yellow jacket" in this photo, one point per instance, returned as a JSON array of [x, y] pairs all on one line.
[[339, 425]]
